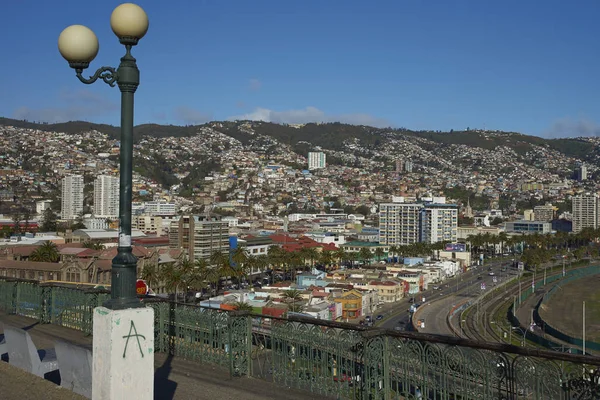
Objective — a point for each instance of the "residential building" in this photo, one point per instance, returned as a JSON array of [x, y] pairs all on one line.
[[106, 196], [159, 208], [148, 224], [581, 172], [407, 223], [399, 223], [439, 223], [544, 213], [528, 215], [316, 160], [585, 212], [388, 291], [351, 302], [72, 196], [399, 165], [42, 205], [199, 235], [408, 166]]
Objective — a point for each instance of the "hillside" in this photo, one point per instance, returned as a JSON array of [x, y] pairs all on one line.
[[357, 140]]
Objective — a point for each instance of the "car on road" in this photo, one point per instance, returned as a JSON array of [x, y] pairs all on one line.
[[379, 317], [436, 288], [491, 274], [480, 277]]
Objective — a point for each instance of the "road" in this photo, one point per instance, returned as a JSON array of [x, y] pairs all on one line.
[[439, 302]]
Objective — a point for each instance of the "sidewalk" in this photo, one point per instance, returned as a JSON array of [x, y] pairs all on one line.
[[175, 378]]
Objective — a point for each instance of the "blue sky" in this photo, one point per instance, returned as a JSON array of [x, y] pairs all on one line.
[[521, 65]]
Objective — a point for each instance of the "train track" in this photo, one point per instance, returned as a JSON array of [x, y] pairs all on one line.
[[480, 315]]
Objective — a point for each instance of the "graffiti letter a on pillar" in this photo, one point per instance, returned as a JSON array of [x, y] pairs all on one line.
[[134, 335]]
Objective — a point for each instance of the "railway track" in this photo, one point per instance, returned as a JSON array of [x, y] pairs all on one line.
[[479, 316]]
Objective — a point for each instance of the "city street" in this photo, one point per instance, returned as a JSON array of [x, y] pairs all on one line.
[[439, 302]]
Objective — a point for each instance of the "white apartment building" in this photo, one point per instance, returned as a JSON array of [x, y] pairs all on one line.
[[399, 223], [439, 223], [159, 208], [585, 212], [407, 223], [72, 196], [316, 160], [106, 196]]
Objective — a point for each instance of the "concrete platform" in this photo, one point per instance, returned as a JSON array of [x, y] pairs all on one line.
[[175, 378]]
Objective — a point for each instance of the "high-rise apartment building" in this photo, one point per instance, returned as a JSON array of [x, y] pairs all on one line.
[[408, 166], [399, 165], [439, 223], [106, 196], [72, 196], [407, 223], [585, 212], [200, 235], [399, 223], [581, 172], [316, 160], [543, 213]]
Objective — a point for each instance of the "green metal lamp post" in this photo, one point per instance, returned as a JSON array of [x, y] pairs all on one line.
[[79, 46]]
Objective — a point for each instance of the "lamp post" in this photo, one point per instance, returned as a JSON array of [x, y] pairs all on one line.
[[79, 46]]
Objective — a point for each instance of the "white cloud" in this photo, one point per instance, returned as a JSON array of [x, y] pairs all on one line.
[[309, 114], [568, 127], [72, 106], [190, 116], [254, 84]]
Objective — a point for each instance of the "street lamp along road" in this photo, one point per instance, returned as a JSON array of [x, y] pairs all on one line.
[[79, 46]]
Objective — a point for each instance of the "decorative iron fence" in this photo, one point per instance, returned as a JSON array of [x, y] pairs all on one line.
[[332, 359]]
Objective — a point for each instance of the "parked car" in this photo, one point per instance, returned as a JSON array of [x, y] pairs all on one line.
[[379, 317]]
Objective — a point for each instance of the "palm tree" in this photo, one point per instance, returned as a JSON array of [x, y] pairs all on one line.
[[47, 252], [365, 254], [379, 253], [326, 257], [290, 297], [242, 306], [340, 255], [171, 276], [240, 258], [393, 252], [151, 275]]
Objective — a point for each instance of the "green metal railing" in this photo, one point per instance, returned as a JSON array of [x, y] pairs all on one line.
[[331, 359], [65, 306]]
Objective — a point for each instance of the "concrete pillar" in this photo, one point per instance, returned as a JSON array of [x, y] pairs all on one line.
[[123, 354]]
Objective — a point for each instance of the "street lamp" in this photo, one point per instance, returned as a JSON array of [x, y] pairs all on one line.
[[79, 46]]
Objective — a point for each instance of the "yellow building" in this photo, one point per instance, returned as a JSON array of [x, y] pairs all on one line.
[[351, 304]]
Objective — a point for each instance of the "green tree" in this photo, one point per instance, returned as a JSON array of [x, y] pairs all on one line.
[[47, 252], [242, 306], [48, 221], [365, 255], [379, 253]]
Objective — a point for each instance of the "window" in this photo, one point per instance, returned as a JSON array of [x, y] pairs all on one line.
[[73, 275]]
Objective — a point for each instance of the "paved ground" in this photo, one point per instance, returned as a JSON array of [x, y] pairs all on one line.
[[564, 311], [175, 378], [16, 384]]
